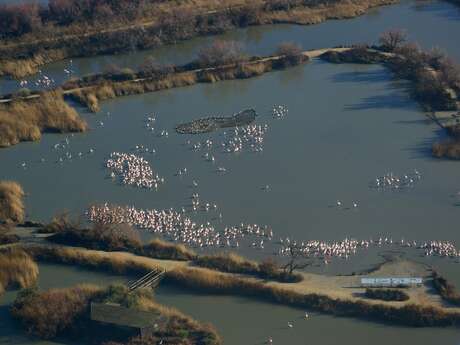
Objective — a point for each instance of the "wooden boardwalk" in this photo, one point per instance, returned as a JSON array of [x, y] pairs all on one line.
[[151, 279]]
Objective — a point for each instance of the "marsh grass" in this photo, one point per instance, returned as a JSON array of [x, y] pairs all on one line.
[[26, 120], [11, 202], [17, 269]]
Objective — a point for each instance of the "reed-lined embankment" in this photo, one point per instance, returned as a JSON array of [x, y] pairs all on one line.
[[211, 282], [123, 238], [53, 34]]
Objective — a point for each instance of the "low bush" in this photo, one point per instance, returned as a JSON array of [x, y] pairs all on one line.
[[446, 149], [447, 291], [292, 53], [232, 263], [387, 294]]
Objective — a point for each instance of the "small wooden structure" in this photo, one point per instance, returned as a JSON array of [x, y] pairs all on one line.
[[151, 279], [121, 322], [391, 282]]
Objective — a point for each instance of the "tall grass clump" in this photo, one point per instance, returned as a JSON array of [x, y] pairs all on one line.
[[17, 269], [26, 120], [11, 202]]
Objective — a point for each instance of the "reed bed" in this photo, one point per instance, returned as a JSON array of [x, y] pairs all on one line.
[[11, 202], [25, 120], [17, 269]]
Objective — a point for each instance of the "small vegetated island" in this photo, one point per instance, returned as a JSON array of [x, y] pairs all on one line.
[[211, 124]]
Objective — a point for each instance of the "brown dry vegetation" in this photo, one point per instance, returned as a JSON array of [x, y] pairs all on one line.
[[92, 260], [233, 263], [447, 291], [163, 23], [25, 120], [17, 269], [447, 149], [90, 96], [207, 281], [66, 312], [11, 202]]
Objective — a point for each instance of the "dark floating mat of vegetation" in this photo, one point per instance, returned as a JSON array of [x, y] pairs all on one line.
[[211, 124]]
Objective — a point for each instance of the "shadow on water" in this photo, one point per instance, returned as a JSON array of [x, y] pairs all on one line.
[[393, 100], [450, 12], [361, 77]]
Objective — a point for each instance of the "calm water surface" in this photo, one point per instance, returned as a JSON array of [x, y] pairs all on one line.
[[346, 125]]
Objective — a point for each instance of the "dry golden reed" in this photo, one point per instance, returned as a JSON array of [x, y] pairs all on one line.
[[11, 202]]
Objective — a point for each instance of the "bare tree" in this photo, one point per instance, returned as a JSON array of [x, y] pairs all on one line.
[[220, 53], [297, 259], [393, 39]]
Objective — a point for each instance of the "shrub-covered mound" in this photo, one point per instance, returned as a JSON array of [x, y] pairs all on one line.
[[66, 312], [11, 202]]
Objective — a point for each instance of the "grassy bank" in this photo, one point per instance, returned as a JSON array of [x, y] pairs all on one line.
[[11, 202], [90, 91], [446, 289], [65, 312], [387, 294], [91, 260], [26, 120], [79, 34], [17, 269]]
